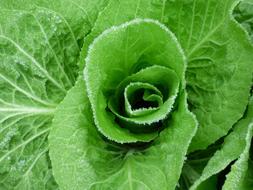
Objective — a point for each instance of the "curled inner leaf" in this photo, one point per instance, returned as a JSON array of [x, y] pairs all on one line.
[[141, 98], [164, 82]]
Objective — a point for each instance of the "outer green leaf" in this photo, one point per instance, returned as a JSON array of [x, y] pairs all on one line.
[[240, 176], [78, 15], [247, 183], [219, 61], [83, 159], [38, 56], [217, 50], [235, 179], [235, 145]]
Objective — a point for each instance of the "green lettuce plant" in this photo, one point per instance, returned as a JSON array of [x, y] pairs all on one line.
[[116, 94], [155, 87]]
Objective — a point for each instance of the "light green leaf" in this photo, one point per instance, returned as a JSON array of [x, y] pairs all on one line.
[[39, 51], [78, 15], [239, 176], [218, 54], [235, 145], [212, 39], [246, 180], [83, 159], [235, 179]]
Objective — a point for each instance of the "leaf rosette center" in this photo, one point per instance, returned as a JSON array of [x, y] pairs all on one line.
[[134, 73]]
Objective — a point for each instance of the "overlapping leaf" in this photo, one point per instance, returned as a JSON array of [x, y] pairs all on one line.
[[38, 63], [235, 145]]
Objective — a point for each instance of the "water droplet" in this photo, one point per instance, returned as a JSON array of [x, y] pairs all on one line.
[[58, 19], [6, 140]]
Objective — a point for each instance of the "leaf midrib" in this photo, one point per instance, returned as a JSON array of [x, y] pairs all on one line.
[[25, 109]]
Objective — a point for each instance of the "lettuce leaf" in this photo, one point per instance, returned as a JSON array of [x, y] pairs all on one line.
[[236, 146], [39, 51]]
